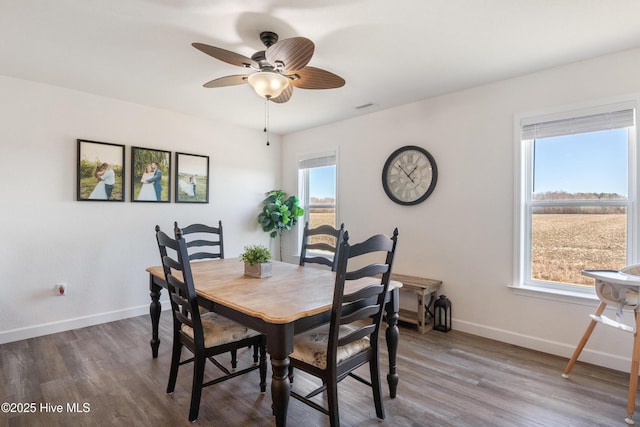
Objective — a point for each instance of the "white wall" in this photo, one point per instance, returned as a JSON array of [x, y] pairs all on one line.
[[101, 249], [463, 234]]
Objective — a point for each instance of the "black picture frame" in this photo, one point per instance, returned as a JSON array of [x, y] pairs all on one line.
[[155, 187], [100, 173], [192, 178]]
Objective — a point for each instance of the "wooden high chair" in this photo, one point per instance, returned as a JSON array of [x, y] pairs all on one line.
[[619, 289]]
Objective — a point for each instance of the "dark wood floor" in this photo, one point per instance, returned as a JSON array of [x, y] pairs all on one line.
[[446, 379]]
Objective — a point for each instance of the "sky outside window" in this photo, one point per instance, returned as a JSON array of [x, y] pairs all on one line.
[[594, 162], [322, 182]]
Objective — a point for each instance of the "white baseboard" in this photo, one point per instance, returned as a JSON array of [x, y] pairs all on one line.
[[76, 323], [594, 357]]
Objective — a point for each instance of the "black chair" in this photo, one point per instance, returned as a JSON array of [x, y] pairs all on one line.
[[332, 352], [206, 242], [205, 335], [203, 241], [324, 238]]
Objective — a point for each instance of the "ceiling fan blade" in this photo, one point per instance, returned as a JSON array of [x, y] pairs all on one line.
[[316, 78], [237, 79], [293, 53], [226, 55], [284, 96]]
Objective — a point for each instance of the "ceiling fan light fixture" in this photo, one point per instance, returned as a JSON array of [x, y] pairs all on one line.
[[268, 84]]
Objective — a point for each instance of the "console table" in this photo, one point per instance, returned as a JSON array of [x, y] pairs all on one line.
[[426, 290]]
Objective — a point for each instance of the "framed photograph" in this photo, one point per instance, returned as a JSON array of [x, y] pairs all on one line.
[[100, 171], [192, 178], [150, 175]]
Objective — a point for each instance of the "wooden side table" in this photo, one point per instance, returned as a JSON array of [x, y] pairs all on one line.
[[426, 291]]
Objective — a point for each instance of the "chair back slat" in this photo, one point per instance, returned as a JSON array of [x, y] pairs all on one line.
[[184, 320], [364, 293], [360, 314], [370, 270], [171, 264], [203, 255], [203, 241], [319, 260], [377, 243], [360, 333], [331, 238], [321, 246]]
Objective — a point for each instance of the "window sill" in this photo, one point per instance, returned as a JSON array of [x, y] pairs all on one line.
[[582, 298]]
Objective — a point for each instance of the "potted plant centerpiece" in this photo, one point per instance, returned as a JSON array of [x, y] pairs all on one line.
[[256, 261]]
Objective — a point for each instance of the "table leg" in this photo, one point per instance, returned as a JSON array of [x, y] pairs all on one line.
[[154, 311], [279, 346], [280, 389], [393, 336]]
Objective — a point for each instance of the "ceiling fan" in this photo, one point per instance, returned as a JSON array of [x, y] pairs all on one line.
[[277, 69]]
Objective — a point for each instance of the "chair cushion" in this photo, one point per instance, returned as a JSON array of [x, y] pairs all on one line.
[[220, 330], [311, 346]]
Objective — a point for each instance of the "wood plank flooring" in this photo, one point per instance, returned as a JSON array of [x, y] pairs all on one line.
[[446, 379]]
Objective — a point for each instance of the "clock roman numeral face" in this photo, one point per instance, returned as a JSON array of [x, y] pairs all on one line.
[[409, 175]]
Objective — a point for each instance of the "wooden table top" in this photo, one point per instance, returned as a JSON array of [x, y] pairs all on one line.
[[291, 293]]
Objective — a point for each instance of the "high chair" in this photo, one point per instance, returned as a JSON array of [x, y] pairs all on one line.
[[620, 290]]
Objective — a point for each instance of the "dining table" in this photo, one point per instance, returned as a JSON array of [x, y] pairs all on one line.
[[294, 299]]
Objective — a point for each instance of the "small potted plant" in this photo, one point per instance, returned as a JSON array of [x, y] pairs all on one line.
[[256, 261]]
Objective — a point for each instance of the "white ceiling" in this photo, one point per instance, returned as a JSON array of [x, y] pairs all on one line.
[[389, 52]]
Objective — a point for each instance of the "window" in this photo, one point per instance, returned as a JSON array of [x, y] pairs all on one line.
[[317, 190], [576, 204]]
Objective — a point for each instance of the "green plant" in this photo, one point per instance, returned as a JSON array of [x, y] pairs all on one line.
[[255, 254], [279, 213]]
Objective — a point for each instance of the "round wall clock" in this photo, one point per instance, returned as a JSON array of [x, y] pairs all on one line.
[[409, 175]]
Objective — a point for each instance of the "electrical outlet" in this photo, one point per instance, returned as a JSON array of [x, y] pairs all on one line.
[[61, 289]]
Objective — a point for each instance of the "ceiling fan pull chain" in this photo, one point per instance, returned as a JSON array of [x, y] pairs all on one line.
[[266, 118]]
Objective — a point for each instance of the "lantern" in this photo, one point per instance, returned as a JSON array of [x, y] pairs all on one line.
[[442, 314]]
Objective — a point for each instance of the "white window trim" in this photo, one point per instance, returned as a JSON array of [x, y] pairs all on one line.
[[305, 191], [522, 165]]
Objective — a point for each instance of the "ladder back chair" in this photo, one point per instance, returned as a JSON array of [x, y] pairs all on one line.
[[324, 238], [332, 352], [203, 241], [204, 335], [206, 242]]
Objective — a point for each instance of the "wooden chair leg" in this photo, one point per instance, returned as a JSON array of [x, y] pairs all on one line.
[[374, 371], [234, 358], [196, 389], [633, 373], [332, 401], [583, 340], [175, 364], [255, 354], [263, 365]]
